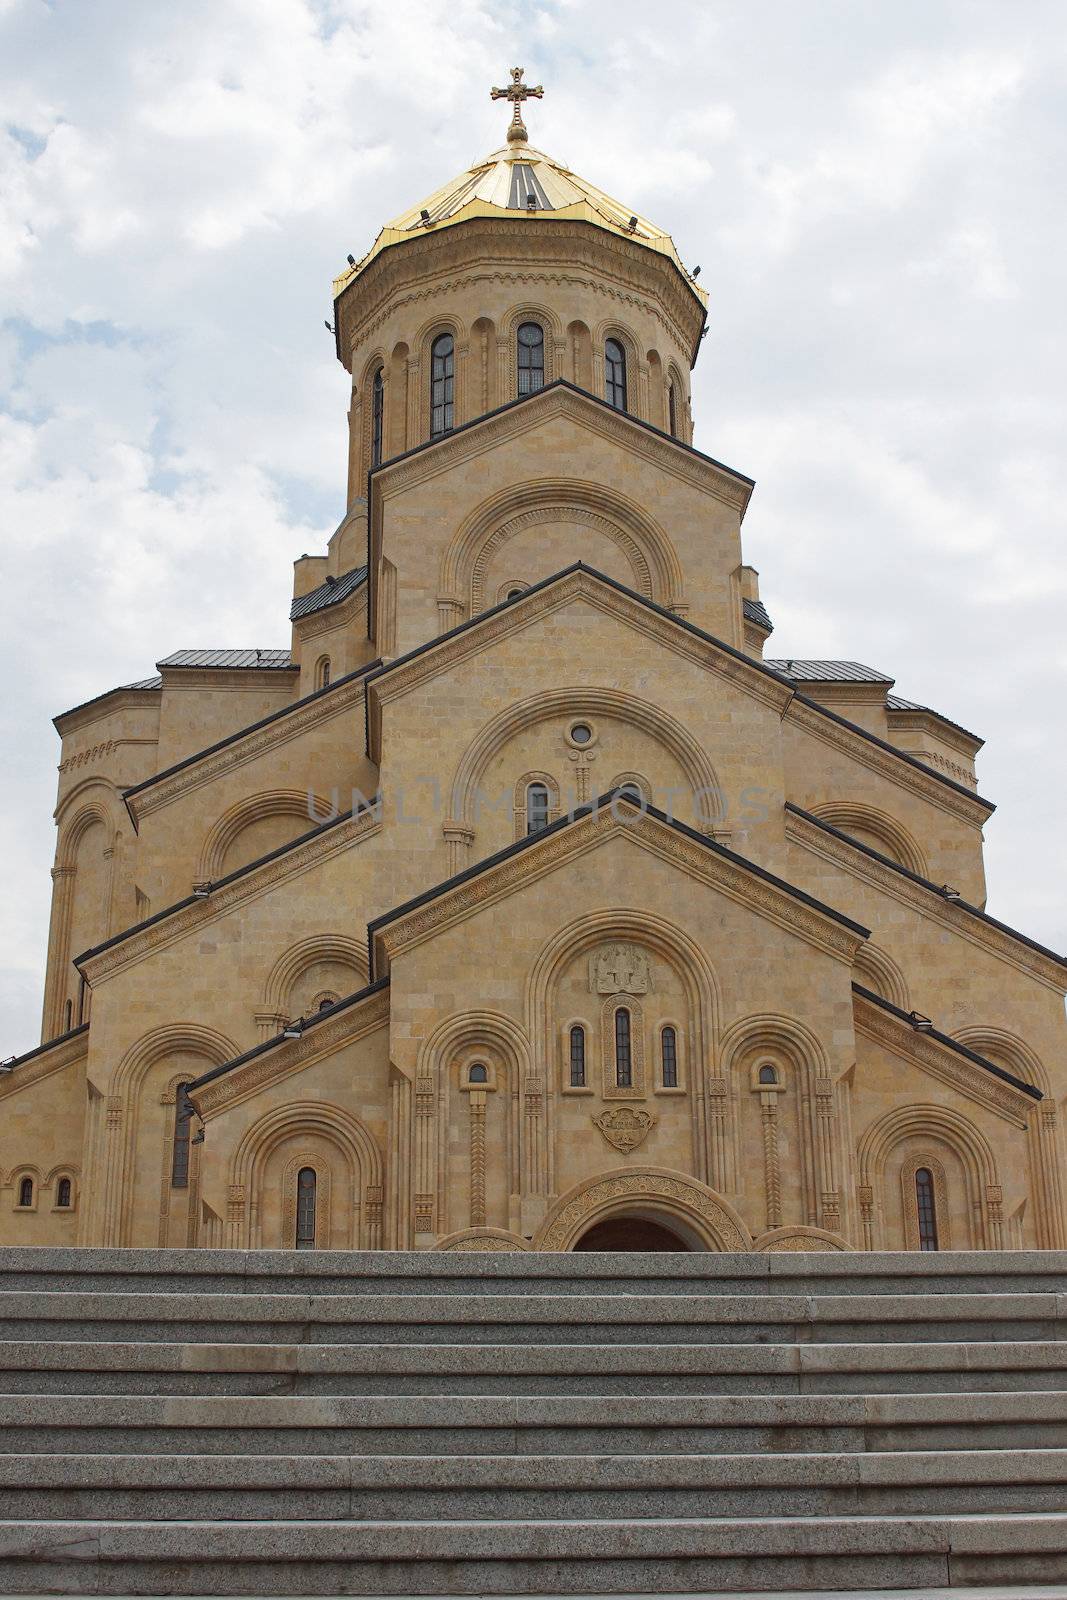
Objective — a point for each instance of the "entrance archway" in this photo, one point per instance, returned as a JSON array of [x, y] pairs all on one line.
[[630, 1233], [699, 1217]]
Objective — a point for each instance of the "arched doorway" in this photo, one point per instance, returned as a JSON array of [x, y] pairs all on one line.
[[630, 1233]]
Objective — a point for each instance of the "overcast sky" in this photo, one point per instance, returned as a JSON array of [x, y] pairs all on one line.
[[873, 188]]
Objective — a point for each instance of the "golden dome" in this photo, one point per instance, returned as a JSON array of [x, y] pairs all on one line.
[[520, 181]]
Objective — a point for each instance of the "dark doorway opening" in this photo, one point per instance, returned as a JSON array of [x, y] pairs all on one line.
[[630, 1233]]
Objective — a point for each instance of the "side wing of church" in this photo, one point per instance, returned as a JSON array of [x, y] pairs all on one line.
[[522, 902]]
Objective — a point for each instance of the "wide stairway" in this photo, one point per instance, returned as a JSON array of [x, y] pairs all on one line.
[[203, 1423]]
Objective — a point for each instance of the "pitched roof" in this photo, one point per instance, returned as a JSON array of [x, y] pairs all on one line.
[[913, 1020], [755, 611], [829, 672], [328, 593], [273, 660], [896, 702]]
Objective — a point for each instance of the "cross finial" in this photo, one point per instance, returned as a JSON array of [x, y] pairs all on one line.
[[517, 92]]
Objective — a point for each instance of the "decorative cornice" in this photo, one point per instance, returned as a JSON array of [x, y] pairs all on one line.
[[925, 900], [532, 859], [562, 399], [192, 916], [896, 765], [397, 678], [290, 723], [47, 1058], [952, 1069], [287, 1056]]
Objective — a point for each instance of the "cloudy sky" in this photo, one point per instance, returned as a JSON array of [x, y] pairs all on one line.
[[873, 188]]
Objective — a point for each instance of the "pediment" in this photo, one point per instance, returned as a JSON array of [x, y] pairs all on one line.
[[613, 825]]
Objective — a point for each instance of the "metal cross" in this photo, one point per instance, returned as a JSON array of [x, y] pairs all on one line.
[[517, 92]]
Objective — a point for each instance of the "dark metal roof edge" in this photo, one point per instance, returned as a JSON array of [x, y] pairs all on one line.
[[914, 708], [242, 733], [279, 1038], [927, 883], [218, 883], [49, 1044], [329, 599], [891, 749], [585, 394], [948, 1041], [531, 840], [698, 633]]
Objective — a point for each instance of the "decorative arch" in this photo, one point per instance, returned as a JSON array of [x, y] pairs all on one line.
[[703, 1217], [799, 1240], [72, 831], [957, 1133], [585, 701], [889, 835], [496, 1038], [255, 808], [338, 948], [421, 369], [190, 1038], [482, 1239], [610, 329], [874, 969], [1007, 1050], [657, 571], [333, 1125], [580, 355], [673, 376], [702, 997], [519, 801]]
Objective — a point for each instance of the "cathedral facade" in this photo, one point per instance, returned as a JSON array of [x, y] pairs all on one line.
[[523, 902]]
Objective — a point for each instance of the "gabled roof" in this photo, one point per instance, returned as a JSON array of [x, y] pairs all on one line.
[[534, 843], [829, 672], [328, 593], [755, 611], [264, 660]]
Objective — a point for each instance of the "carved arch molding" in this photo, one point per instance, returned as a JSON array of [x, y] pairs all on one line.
[[654, 1192], [566, 513]]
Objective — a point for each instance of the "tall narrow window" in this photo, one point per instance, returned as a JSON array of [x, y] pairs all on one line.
[[69, 1015], [531, 357], [377, 417], [306, 1192], [669, 1053], [183, 1119], [672, 410], [577, 1057], [615, 374], [624, 1073], [442, 385], [63, 1194], [26, 1192], [926, 1207], [536, 807]]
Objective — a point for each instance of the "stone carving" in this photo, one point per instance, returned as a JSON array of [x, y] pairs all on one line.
[[624, 1127], [620, 969], [685, 1195]]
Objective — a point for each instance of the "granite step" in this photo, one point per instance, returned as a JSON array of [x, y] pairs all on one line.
[[95, 1367], [323, 1272], [530, 1318], [531, 1425], [694, 1555], [562, 1488]]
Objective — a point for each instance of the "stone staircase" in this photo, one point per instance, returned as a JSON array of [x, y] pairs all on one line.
[[275, 1423]]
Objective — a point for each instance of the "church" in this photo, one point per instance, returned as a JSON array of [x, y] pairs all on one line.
[[526, 902]]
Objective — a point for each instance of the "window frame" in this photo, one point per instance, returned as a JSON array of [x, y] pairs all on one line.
[[181, 1138], [624, 1048], [615, 376], [542, 789], [301, 1240], [926, 1208], [442, 385], [530, 366], [668, 1031], [377, 416]]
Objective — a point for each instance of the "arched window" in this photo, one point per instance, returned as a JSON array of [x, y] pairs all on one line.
[[536, 807], [615, 374], [327, 1001], [183, 1118], [377, 417], [442, 385], [767, 1074], [669, 1058], [306, 1194], [530, 342], [672, 410], [577, 1057], [322, 673], [624, 1072], [63, 1195], [926, 1207], [69, 1016], [26, 1192]]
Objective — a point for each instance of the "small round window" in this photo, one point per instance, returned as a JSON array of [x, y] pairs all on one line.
[[581, 733]]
